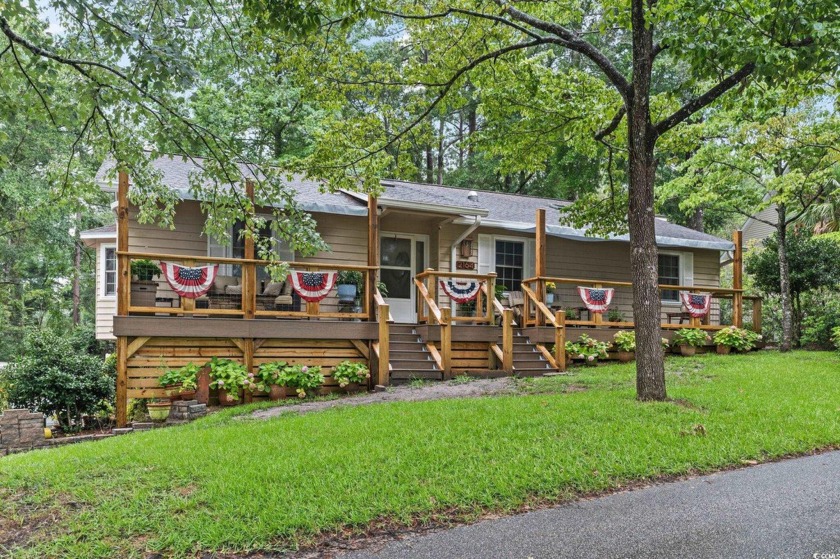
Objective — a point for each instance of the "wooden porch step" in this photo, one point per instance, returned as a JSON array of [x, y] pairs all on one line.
[[413, 345], [412, 364], [410, 374], [405, 336]]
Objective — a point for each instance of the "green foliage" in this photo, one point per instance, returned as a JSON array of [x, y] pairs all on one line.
[[588, 349], [54, 377], [145, 270], [186, 377], [615, 315], [736, 338], [835, 337], [351, 277], [228, 375], [814, 262], [821, 315], [304, 379], [350, 371], [691, 337], [268, 374], [625, 340]]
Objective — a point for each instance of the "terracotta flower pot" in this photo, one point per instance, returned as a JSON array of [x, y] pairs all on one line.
[[159, 411], [173, 392], [276, 392], [723, 349], [352, 387], [687, 350], [626, 356], [226, 399], [186, 394]]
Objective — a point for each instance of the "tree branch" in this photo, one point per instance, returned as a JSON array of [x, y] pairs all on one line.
[[611, 127], [704, 100], [572, 41]]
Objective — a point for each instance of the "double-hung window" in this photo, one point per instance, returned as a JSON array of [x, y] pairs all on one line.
[[669, 274], [109, 271], [510, 263]]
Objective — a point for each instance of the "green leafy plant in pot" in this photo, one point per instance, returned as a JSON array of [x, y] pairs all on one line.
[[229, 378], [303, 380], [181, 383], [271, 378], [625, 345], [350, 375], [588, 350], [349, 285], [735, 338], [689, 339]]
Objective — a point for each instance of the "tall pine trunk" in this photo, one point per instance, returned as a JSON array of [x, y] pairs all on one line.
[[784, 281], [644, 269]]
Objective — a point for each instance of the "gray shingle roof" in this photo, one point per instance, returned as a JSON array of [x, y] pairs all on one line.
[[511, 211], [105, 230]]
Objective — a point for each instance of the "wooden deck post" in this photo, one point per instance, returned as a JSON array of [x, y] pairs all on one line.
[[491, 297], [123, 298], [738, 279], [383, 363], [446, 342], [597, 317], [248, 361], [539, 264], [507, 340], [372, 256], [756, 315], [560, 340], [249, 270]]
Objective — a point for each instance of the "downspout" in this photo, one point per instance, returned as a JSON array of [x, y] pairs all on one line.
[[454, 248]]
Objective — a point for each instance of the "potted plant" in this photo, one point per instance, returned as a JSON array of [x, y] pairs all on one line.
[[571, 314], [350, 375], [229, 378], [625, 345], [735, 338], [689, 339], [349, 285], [615, 315], [143, 285], [158, 409], [271, 379], [303, 380], [182, 383], [587, 349], [550, 286]]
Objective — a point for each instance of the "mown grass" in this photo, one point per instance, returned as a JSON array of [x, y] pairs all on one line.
[[227, 484]]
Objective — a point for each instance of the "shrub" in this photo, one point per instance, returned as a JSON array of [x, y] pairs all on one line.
[[835, 337], [625, 340], [587, 348], [348, 371], [691, 337], [228, 375], [55, 378], [268, 374], [303, 379], [736, 338]]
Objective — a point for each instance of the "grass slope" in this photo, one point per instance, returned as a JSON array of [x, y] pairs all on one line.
[[227, 484]]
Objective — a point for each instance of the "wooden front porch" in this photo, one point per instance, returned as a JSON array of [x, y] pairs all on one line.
[[496, 338]]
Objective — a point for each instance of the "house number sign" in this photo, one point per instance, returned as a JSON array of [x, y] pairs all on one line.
[[464, 265]]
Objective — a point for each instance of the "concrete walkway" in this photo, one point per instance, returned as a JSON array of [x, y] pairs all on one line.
[[786, 509]]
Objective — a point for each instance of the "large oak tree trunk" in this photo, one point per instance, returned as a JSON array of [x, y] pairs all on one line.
[[784, 281], [650, 367]]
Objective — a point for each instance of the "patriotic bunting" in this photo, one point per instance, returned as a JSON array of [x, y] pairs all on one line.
[[697, 304], [191, 283], [312, 286], [460, 291], [596, 299]]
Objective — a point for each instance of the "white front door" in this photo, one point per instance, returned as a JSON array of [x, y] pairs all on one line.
[[401, 257]]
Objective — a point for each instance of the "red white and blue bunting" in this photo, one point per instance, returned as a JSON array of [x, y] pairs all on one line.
[[460, 291], [312, 286], [191, 283], [697, 304], [596, 299]]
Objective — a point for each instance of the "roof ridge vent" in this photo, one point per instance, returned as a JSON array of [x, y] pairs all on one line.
[[472, 196]]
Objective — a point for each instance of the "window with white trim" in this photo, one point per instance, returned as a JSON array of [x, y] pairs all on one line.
[[669, 274], [109, 270], [234, 247], [510, 263]]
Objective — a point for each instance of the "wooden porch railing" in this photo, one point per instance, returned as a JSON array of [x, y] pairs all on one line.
[[382, 347], [427, 286], [537, 313], [249, 304], [436, 315]]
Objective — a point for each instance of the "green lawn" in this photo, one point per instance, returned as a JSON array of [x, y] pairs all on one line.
[[227, 484]]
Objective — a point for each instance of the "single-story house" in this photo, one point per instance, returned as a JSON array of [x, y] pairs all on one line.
[[409, 237]]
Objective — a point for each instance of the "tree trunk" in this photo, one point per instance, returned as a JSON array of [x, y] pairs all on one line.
[[77, 270], [644, 269], [697, 220], [440, 152], [784, 281], [430, 165]]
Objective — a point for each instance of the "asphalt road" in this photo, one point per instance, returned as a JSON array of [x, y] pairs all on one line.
[[787, 509]]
